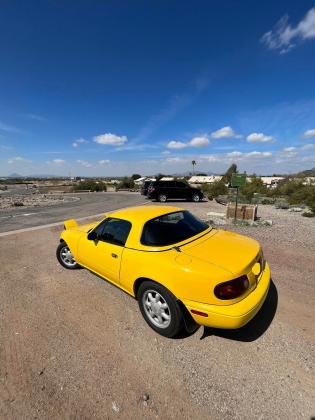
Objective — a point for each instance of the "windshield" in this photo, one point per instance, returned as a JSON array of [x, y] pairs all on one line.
[[171, 228]]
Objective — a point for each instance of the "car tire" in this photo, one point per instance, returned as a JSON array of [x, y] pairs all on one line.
[[65, 257], [195, 198], [165, 317], [162, 198]]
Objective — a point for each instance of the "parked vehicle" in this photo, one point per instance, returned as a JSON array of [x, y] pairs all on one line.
[[144, 188], [178, 268], [164, 190]]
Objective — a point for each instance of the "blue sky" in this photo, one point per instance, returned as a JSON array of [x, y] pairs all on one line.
[[117, 87]]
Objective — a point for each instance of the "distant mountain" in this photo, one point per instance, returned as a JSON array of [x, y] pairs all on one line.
[[307, 172], [15, 175]]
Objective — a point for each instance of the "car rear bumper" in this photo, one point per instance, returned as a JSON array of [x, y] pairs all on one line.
[[235, 315]]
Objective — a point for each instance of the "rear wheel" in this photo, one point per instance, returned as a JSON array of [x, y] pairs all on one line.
[[162, 198], [65, 257], [160, 309], [195, 198]]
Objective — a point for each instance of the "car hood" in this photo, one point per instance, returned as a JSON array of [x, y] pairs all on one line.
[[227, 250]]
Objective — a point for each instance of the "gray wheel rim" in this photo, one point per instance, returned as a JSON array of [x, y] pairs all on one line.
[[195, 198], [156, 309], [67, 257], [162, 198]]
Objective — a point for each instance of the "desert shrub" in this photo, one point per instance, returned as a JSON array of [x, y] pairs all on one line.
[[254, 186], [126, 183], [214, 189], [90, 185], [308, 214], [295, 192]]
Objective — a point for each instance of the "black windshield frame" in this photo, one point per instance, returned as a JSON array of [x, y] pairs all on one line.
[[165, 230]]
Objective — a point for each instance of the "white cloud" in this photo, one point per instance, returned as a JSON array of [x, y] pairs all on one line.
[[258, 154], [309, 133], [176, 144], [289, 149], [79, 141], [176, 160], [17, 159], [308, 146], [84, 163], [234, 154], [213, 159], [199, 141], [166, 152], [59, 161], [104, 161], [225, 133], [283, 36], [110, 139], [259, 138]]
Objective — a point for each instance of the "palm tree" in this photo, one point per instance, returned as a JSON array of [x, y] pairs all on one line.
[[193, 162]]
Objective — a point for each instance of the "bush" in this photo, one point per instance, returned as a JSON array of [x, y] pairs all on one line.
[[295, 192], [91, 186], [281, 204], [254, 186], [126, 183], [308, 214], [215, 189]]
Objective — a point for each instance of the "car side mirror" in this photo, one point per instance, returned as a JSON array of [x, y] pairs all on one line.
[[92, 236]]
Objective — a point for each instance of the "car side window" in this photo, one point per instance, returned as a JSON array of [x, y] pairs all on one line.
[[113, 231]]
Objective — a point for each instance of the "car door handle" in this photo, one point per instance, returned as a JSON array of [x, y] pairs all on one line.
[[114, 255]]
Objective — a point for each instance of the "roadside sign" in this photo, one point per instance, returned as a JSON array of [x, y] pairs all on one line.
[[238, 180]]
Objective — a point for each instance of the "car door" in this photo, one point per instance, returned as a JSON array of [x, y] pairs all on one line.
[[103, 254], [181, 190], [169, 189]]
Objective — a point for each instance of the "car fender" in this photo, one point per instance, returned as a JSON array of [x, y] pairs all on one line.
[[172, 270]]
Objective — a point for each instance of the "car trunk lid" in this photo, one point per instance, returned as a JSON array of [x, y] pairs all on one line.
[[227, 250]]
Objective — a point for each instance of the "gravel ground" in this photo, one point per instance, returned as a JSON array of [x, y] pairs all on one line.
[[74, 346]]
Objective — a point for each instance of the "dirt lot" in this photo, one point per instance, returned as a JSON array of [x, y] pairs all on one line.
[[73, 346]]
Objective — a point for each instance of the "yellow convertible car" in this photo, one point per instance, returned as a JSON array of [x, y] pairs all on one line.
[[173, 264]]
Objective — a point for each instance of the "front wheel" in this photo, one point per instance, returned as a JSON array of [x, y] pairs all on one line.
[[162, 198], [160, 309], [65, 257]]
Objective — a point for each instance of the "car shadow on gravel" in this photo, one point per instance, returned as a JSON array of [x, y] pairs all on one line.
[[256, 327]]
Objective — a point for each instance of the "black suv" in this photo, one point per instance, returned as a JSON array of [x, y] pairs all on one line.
[[163, 190], [144, 188]]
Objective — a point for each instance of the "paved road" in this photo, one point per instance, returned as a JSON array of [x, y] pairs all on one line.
[[89, 204], [74, 346]]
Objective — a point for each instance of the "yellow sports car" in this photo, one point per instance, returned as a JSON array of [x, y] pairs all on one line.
[[174, 264]]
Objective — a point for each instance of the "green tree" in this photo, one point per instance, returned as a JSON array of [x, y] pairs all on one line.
[[135, 176], [254, 185], [228, 174], [126, 183]]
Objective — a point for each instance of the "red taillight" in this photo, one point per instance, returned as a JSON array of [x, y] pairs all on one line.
[[231, 289]]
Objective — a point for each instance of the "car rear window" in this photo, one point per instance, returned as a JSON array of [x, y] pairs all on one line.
[[171, 228]]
